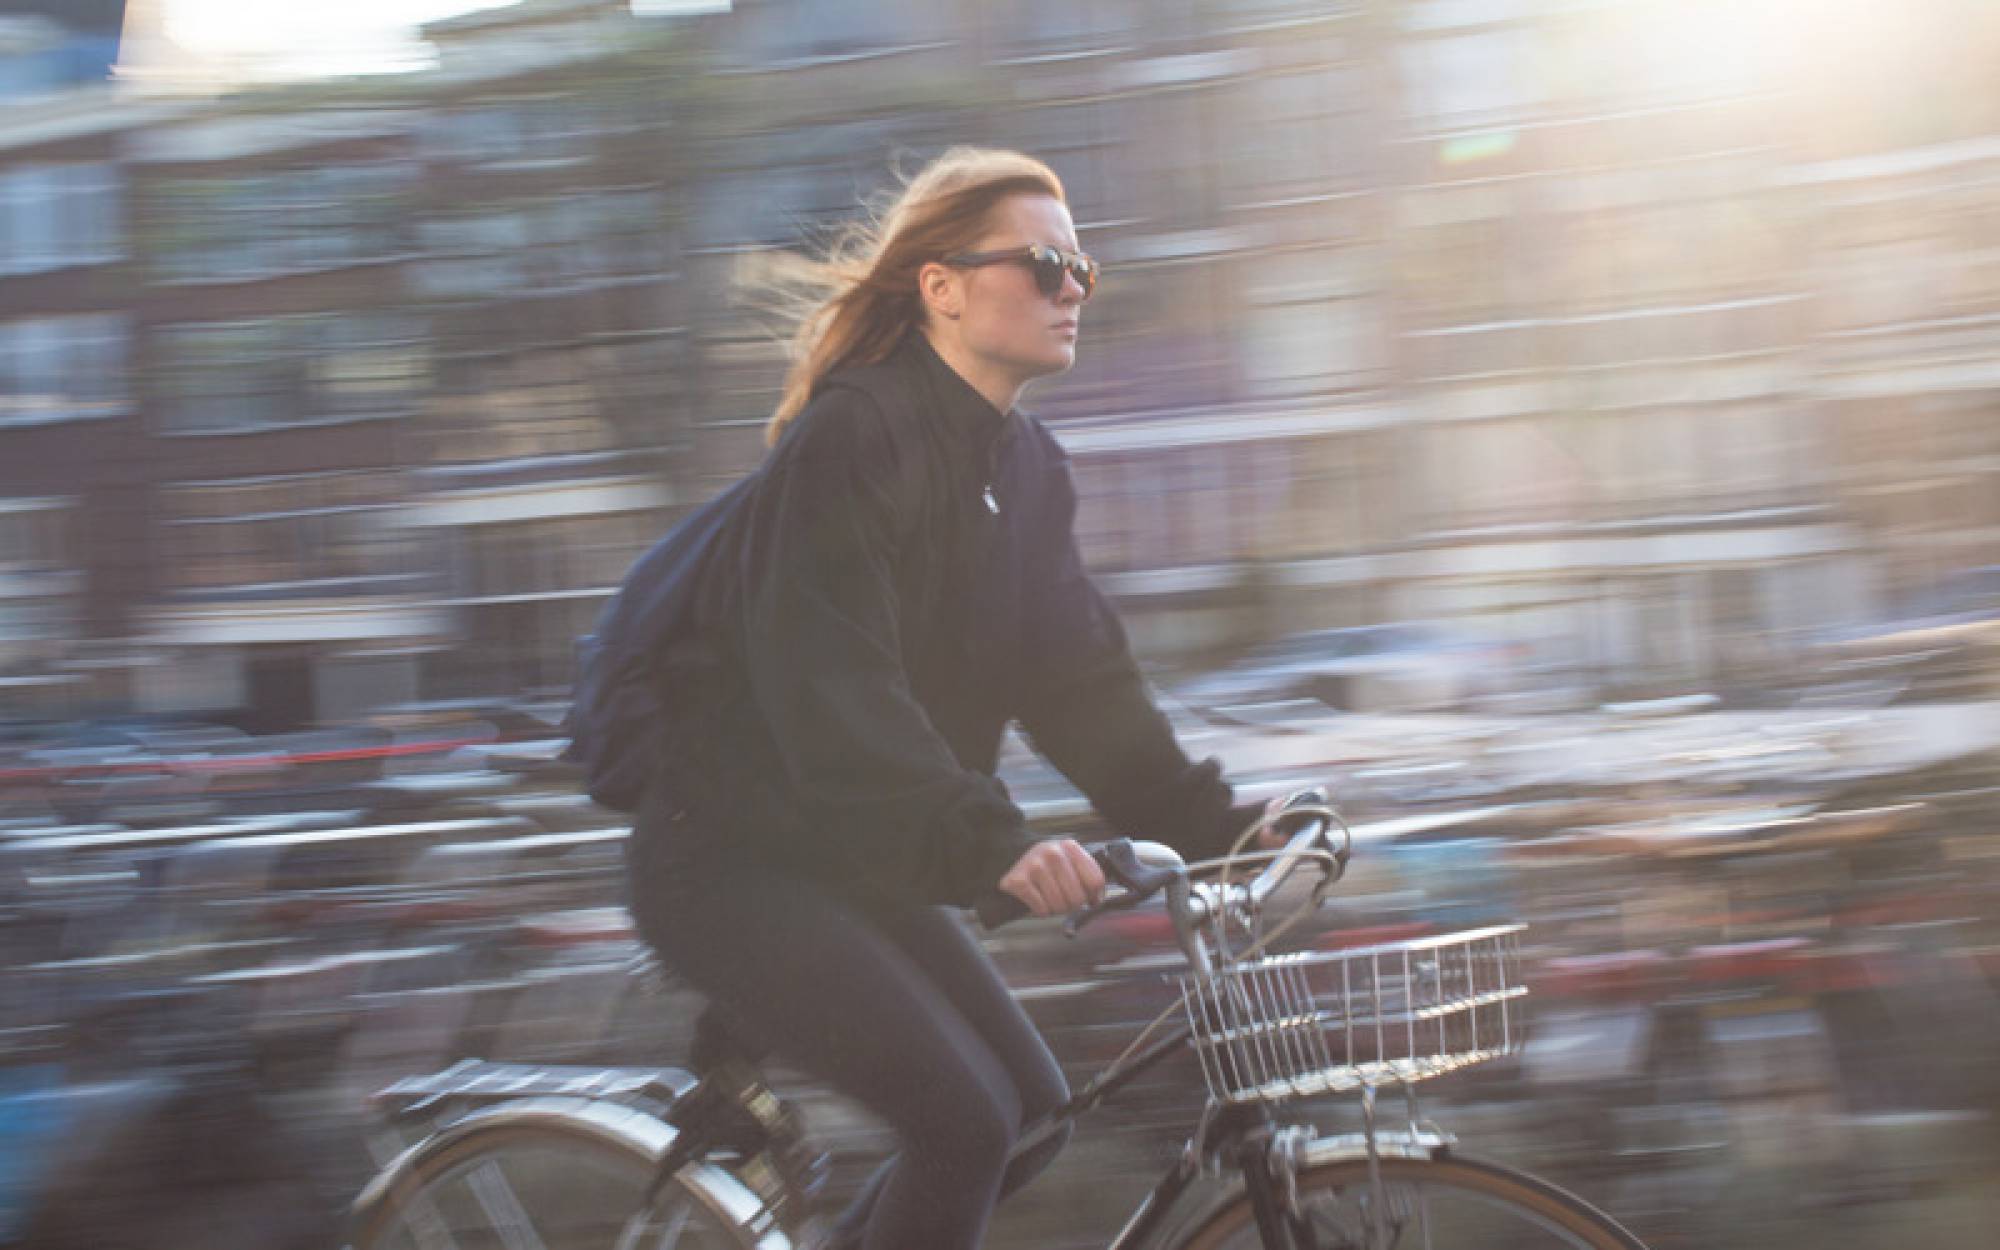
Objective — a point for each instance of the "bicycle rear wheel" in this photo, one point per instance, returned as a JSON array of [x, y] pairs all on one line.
[[1429, 1204], [553, 1175]]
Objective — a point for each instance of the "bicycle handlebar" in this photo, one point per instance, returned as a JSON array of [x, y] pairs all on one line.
[[1139, 869], [1143, 869], [1310, 812]]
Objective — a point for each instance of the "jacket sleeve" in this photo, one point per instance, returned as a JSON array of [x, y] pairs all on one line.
[[1089, 711], [894, 812]]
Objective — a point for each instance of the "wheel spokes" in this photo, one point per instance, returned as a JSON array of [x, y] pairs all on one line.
[[503, 1207]]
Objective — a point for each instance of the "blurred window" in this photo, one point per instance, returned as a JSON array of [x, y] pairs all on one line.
[[226, 377], [538, 403], [1515, 471], [581, 237], [1130, 510], [473, 254], [1745, 453], [746, 366], [1887, 267], [621, 105], [362, 365], [1970, 431], [1244, 12], [60, 368], [1301, 134], [326, 528], [38, 546], [1462, 256], [759, 206], [1087, 146], [1100, 513], [1339, 495], [1067, 25], [36, 534], [1663, 457], [1633, 243], [281, 221], [57, 215], [1649, 53], [1309, 324], [1476, 78], [551, 555], [771, 34], [522, 131]]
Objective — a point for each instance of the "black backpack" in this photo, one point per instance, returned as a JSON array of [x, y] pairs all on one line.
[[615, 714]]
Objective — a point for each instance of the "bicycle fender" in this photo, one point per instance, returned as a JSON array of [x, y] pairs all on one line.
[[616, 1126]]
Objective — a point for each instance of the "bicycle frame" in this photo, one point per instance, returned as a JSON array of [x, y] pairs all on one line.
[[1243, 1132], [1146, 1218]]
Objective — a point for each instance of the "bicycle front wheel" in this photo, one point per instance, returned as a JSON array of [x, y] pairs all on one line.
[[1424, 1204], [553, 1176]]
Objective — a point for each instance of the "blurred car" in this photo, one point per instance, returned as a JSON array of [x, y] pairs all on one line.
[[484, 720], [140, 771], [1410, 666], [1944, 644]]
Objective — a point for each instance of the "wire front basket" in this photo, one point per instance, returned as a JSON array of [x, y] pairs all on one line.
[[1316, 1022]]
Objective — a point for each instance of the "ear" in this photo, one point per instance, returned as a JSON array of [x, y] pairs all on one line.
[[942, 289]]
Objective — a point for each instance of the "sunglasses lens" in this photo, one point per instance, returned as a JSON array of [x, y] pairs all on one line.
[[1051, 267], [1049, 270], [1085, 274]]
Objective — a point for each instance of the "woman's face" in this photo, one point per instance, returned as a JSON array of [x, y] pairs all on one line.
[[1005, 322]]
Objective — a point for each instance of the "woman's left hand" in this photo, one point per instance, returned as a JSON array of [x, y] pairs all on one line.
[[1269, 838]]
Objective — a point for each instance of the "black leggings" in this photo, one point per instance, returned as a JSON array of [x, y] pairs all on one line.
[[895, 1006]]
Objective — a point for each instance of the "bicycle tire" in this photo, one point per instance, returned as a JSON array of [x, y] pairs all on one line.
[[605, 1156], [1543, 1214]]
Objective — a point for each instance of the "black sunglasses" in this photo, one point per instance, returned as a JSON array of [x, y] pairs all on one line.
[[1050, 266]]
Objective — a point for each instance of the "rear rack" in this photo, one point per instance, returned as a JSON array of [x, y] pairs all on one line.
[[474, 1083]]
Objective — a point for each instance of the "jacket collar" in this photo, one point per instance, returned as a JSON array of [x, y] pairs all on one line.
[[958, 403]]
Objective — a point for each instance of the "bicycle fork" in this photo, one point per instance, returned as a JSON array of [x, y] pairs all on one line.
[[731, 1109], [1272, 1161]]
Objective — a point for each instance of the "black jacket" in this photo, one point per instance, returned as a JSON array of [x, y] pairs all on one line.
[[898, 583]]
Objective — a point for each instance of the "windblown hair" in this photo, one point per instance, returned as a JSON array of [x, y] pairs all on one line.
[[854, 305]]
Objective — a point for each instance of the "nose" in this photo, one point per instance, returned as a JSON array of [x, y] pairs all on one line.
[[1071, 293]]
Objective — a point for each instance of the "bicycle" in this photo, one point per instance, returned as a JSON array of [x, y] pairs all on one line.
[[535, 1158]]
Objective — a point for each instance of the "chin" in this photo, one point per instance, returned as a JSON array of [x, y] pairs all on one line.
[[1058, 362]]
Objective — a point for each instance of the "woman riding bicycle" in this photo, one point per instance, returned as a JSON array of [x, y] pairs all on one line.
[[899, 581]]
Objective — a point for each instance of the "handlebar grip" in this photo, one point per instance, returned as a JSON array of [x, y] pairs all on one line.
[[1120, 862], [999, 908], [1121, 866]]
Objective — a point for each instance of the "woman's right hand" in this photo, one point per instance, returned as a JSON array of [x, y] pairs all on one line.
[[1055, 878]]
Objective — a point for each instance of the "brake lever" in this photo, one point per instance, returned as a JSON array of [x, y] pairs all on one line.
[[1121, 867]]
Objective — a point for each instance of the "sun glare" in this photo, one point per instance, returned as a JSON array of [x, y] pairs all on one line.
[[353, 36]]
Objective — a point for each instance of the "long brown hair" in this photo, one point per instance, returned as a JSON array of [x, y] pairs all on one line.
[[854, 305]]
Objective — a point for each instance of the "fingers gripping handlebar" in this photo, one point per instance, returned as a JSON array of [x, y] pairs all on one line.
[[1142, 869], [1121, 861]]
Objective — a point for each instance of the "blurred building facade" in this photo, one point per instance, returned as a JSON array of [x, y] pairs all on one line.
[[1600, 327], [71, 453], [283, 374], [551, 196]]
